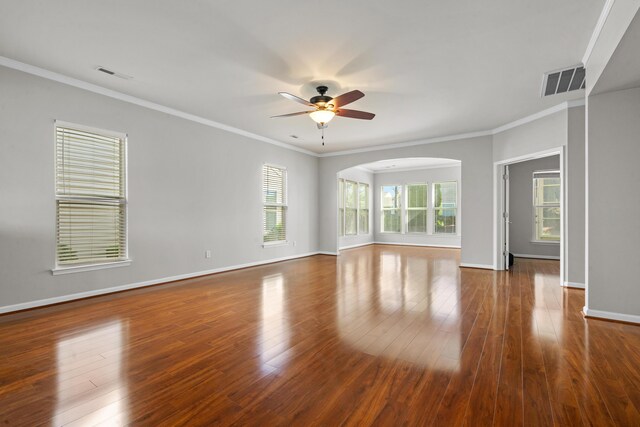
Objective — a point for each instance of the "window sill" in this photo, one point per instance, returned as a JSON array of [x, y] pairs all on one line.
[[544, 242], [272, 244], [89, 267]]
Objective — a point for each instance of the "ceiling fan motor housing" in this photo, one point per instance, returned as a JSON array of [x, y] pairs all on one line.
[[322, 98]]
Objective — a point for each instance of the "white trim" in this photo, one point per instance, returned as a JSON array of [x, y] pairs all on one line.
[[597, 30], [415, 168], [275, 243], [481, 266], [553, 257], [356, 246], [622, 317], [50, 75], [575, 285], [428, 245], [89, 267], [79, 295], [327, 253], [545, 242], [60, 78], [406, 144]]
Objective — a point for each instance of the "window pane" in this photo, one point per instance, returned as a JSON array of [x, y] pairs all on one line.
[[340, 193], [363, 196], [364, 221], [351, 189], [548, 223], [273, 185], [391, 196], [391, 220], [274, 223], [445, 221], [341, 221], [351, 221], [417, 221], [445, 195], [417, 196]]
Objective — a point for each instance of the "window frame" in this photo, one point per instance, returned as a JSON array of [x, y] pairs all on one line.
[[284, 205], [435, 209], [534, 216], [407, 208], [124, 200]]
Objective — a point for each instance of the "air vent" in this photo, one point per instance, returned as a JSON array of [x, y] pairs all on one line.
[[113, 73], [562, 81]]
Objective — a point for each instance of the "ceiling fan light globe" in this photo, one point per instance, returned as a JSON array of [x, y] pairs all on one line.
[[322, 116]]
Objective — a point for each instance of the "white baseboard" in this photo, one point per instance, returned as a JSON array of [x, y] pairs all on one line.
[[554, 257], [428, 245], [482, 266], [80, 295], [356, 246], [574, 285], [327, 253], [631, 318]]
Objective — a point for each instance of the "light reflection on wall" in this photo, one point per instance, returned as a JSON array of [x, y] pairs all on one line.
[[91, 387], [408, 309], [274, 327]]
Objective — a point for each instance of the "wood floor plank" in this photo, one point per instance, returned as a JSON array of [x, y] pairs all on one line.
[[382, 335]]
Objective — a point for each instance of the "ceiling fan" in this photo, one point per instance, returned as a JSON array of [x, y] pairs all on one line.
[[326, 107]]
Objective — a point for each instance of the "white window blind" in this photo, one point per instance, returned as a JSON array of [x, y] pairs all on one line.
[[91, 203], [391, 196], [445, 207], [274, 193], [340, 207], [351, 208], [546, 205], [416, 208], [363, 208]]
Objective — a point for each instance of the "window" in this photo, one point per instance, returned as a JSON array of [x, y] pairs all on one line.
[[363, 208], [391, 208], [341, 207], [274, 188], [546, 206], [351, 208], [416, 210], [445, 204], [91, 200]]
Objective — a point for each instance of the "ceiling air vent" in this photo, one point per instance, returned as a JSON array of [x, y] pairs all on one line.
[[562, 81], [113, 73]]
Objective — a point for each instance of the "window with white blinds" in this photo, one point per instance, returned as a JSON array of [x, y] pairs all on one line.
[[91, 200], [274, 197]]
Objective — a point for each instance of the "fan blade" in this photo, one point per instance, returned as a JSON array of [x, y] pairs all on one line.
[[299, 113], [355, 114], [346, 98], [296, 99]]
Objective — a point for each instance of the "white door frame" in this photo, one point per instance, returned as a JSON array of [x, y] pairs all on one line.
[[498, 203]]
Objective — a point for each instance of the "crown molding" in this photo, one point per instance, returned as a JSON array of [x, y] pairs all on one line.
[[51, 75], [597, 30], [81, 84], [417, 168]]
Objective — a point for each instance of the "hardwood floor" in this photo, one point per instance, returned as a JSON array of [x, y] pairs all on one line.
[[382, 335]]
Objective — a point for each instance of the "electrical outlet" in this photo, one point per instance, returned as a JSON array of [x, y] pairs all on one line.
[[207, 254]]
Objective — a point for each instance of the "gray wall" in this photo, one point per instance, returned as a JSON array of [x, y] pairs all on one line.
[[414, 176], [359, 175], [574, 206], [613, 205], [539, 135], [521, 208], [476, 184], [191, 188]]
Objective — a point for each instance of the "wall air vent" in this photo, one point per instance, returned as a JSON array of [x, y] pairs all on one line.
[[564, 80], [113, 73]]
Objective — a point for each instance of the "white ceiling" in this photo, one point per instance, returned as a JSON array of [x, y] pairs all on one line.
[[409, 163], [428, 68]]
